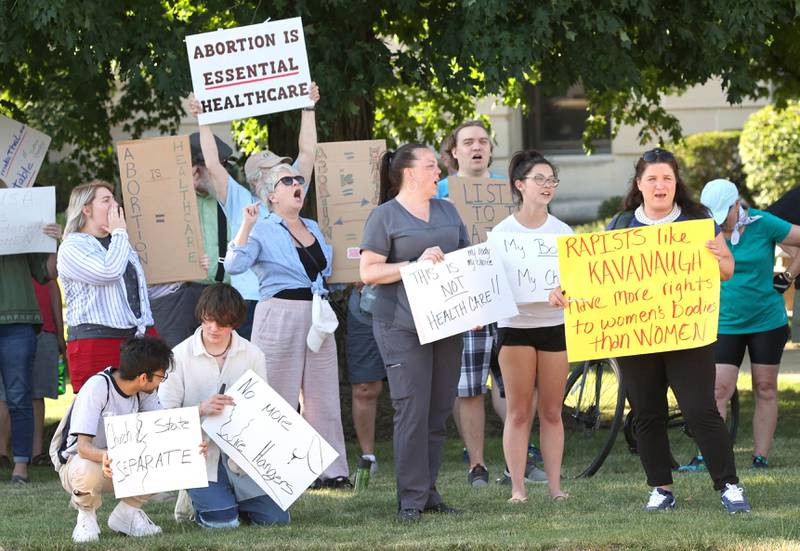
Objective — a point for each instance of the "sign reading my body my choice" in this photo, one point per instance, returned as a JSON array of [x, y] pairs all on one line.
[[250, 71], [639, 290], [467, 289]]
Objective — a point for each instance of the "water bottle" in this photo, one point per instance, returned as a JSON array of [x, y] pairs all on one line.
[[62, 384], [362, 473]]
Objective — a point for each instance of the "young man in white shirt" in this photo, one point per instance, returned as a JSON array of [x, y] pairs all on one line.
[[144, 363]]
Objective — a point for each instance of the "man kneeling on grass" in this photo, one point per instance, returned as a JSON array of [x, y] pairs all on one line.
[[205, 364], [144, 364]]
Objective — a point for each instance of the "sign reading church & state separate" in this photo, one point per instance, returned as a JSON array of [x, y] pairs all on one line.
[[269, 440], [250, 71], [639, 290], [155, 451], [467, 289], [346, 176], [22, 150], [161, 207], [482, 203]]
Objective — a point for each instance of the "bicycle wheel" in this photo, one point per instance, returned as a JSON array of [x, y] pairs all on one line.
[[592, 414], [681, 442]]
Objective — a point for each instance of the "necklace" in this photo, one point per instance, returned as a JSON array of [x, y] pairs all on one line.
[[221, 354], [647, 221]]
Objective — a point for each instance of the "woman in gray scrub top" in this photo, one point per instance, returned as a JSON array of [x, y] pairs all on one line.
[[412, 225]]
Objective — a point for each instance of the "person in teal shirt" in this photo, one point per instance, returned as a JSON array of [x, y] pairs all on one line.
[[752, 314]]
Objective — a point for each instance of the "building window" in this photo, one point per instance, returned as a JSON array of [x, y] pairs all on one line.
[[555, 124]]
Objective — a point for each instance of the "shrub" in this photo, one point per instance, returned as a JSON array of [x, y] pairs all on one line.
[[609, 207], [706, 156], [770, 151]]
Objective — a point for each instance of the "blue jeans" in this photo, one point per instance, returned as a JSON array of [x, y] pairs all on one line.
[[17, 352], [216, 506]]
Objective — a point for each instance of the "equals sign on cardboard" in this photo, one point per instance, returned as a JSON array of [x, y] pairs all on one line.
[[159, 218]]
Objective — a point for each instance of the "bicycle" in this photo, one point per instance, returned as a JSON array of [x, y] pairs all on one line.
[[594, 411]]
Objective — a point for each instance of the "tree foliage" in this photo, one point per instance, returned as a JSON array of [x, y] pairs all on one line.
[[406, 70], [770, 152]]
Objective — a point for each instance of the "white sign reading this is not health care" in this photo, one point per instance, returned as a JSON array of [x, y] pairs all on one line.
[[269, 440], [250, 71], [22, 150], [155, 451], [468, 288], [23, 212], [530, 261]]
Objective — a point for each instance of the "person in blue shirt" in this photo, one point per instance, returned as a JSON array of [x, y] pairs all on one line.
[[289, 256]]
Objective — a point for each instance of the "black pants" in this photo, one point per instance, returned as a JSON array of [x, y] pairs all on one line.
[[690, 374]]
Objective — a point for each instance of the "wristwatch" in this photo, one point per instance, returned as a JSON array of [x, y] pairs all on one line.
[[788, 275]]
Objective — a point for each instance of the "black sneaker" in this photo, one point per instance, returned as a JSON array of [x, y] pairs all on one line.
[[442, 509], [408, 516], [760, 462], [338, 483], [478, 476]]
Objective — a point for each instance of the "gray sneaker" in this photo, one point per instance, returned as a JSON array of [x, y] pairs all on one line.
[[478, 476], [533, 475]]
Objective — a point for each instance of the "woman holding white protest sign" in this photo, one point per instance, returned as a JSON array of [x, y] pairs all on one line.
[[293, 323], [532, 346], [658, 195], [752, 315], [104, 284], [412, 225]]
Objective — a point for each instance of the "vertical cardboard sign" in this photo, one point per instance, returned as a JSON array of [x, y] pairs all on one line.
[[161, 207], [250, 71], [639, 290], [23, 149], [347, 185], [23, 212], [468, 288], [481, 202]]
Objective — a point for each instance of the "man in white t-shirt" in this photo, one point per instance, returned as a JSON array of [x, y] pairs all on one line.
[[144, 363]]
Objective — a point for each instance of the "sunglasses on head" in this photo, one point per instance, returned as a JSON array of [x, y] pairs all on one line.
[[289, 180], [657, 154]]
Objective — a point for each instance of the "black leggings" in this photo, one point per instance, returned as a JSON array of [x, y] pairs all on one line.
[[690, 374]]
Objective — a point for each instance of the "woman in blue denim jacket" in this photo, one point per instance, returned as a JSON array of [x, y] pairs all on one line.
[[291, 259]]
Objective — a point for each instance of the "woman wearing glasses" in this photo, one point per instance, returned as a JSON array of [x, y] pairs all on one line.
[[290, 257], [658, 195], [532, 346]]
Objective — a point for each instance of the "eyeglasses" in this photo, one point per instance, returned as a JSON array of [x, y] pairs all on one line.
[[290, 180], [163, 377], [657, 154], [542, 181]]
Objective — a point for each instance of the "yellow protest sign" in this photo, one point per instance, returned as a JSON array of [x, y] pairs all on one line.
[[639, 290]]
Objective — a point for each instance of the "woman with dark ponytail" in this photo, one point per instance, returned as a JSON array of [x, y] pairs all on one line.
[[412, 225], [532, 345]]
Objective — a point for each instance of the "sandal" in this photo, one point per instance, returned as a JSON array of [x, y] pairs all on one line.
[[560, 497], [19, 481], [518, 500]]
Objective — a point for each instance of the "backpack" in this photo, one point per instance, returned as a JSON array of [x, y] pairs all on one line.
[[59, 442], [621, 220]]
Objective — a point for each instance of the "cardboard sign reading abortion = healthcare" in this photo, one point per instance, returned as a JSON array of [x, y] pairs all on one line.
[[250, 71], [530, 261], [161, 207], [346, 176], [269, 440], [23, 149], [23, 212], [482, 203], [639, 290], [155, 451], [468, 288]]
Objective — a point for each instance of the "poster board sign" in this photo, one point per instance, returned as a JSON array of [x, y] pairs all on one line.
[[161, 207], [23, 212], [347, 185], [468, 288], [269, 440], [23, 149], [639, 290], [482, 203], [155, 451], [250, 71], [530, 261]]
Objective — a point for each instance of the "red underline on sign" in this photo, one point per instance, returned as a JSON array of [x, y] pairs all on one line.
[[251, 81]]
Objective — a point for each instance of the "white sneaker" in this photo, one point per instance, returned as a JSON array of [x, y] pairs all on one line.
[[86, 528], [184, 509], [131, 521]]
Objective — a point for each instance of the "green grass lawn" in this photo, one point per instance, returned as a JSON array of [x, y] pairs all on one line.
[[604, 512]]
